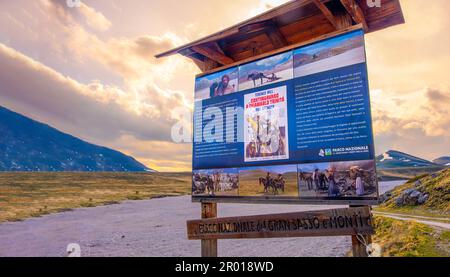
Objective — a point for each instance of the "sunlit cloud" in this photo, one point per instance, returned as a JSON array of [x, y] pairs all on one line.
[[265, 5], [88, 75]]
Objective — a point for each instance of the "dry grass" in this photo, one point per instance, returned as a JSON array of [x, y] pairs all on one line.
[[410, 239], [24, 195]]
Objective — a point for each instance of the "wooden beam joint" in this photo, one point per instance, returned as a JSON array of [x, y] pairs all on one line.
[[327, 13], [355, 12], [213, 52]]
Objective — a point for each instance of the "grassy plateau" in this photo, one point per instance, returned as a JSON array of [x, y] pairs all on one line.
[[24, 195]]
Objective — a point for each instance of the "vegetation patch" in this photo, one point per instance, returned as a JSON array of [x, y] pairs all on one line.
[[410, 239]]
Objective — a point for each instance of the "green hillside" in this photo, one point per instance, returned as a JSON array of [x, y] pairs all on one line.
[[426, 194]]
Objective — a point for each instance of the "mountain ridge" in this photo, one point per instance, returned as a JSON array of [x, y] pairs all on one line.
[[396, 159], [442, 161], [29, 145]]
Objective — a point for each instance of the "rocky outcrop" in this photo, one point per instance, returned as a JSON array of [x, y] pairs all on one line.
[[411, 197], [426, 192]]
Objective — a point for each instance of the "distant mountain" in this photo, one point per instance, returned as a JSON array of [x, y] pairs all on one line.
[[443, 161], [395, 159], [27, 145]]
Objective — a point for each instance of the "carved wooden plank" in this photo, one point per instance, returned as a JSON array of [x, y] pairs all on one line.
[[356, 12], [337, 222], [257, 26]]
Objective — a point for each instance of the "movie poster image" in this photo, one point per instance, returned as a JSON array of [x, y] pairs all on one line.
[[217, 84], [268, 181], [338, 179], [337, 52], [215, 182], [266, 125], [266, 71]]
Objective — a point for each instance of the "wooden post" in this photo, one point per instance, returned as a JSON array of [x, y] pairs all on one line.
[[209, 246], [209, 210], [358, 248]]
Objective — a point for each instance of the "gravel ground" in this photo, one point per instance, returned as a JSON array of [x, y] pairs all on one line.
[[151, 228], [154, 227]]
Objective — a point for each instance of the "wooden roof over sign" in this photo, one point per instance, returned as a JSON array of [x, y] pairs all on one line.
[[289, 24]]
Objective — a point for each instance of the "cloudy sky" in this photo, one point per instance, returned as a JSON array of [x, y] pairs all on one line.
[[90, 71]]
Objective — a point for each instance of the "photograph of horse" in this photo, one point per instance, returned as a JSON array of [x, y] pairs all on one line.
[[268, 181], [259, 76], [267, 71]]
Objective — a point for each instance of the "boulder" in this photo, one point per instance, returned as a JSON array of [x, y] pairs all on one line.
[[409, 197], [407, 191], [423, 199], [399, 202], [385, 197], [415, 194]]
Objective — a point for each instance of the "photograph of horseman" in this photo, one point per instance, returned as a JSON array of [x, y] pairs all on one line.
[[268, 181], [338, 179], [215, 182]]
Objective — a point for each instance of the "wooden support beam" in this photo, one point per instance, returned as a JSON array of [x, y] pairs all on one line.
[[213, 54], [276, 37], [343, 20], [209, 246], [359, 243], [217, 48], [327, 13], [356, 12], [200, 63]]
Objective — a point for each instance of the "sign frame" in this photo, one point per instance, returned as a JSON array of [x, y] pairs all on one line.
[[289, 200]]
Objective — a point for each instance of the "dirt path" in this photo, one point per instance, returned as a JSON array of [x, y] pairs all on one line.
[[431, 221], [151, 228]]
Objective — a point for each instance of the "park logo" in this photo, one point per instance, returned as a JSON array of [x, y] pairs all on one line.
[[322, 153], [325, 153]]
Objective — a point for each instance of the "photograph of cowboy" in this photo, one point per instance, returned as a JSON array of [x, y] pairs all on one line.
[[216, 84], [268, 181], [338, 52], [338, 179], [215, 182], [266, 71]]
